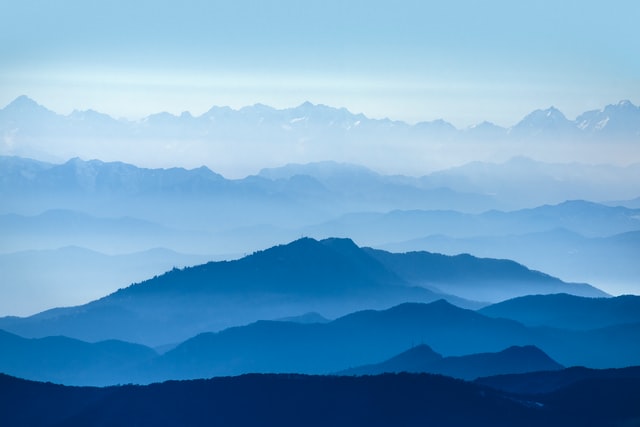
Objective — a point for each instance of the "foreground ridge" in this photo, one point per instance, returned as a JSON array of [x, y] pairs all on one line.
[[288, 400]]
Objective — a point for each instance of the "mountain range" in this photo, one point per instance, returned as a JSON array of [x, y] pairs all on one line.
[[462, 343], [185, 279], [240, 141], [212, 320], [619, 120], [369, 337], [90, 274], [332, 277]]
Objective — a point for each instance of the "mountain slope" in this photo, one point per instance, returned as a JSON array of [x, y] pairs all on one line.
[[332, 277], [356, 339], [471, 342], [602, 261], [476, 278]]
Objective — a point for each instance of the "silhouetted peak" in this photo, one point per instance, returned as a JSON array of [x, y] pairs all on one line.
[[530, 354], [625, 103], [551, 113], [25, 105], [306, 104], [23, 101], [340, 243], [303, 242], [541, 120], [309, 243], [419, 352]]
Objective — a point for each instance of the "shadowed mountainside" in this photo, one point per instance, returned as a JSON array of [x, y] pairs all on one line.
[[367, 337], [293, 400]]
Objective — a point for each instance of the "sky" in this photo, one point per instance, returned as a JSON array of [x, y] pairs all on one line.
[[462, 61]]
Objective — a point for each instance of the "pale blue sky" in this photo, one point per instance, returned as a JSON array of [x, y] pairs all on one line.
[[464, 61]]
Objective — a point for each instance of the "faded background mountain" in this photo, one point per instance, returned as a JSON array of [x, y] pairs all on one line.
[[241, 141]]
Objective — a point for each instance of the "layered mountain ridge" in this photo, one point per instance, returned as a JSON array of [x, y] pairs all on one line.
[[619, 119], [332, 277], [461, 343]]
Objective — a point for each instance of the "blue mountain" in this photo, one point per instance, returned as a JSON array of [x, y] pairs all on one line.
[[422, 359], [568, 311], [472, 344], [332, 277]]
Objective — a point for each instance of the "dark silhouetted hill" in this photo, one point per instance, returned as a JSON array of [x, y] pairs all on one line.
[[294, 400], [537, 383]]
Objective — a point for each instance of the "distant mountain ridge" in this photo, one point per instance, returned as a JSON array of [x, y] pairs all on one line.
[[222, 138], [621, 119]]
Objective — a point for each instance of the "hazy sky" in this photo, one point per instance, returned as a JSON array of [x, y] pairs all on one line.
[[464, 61]]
